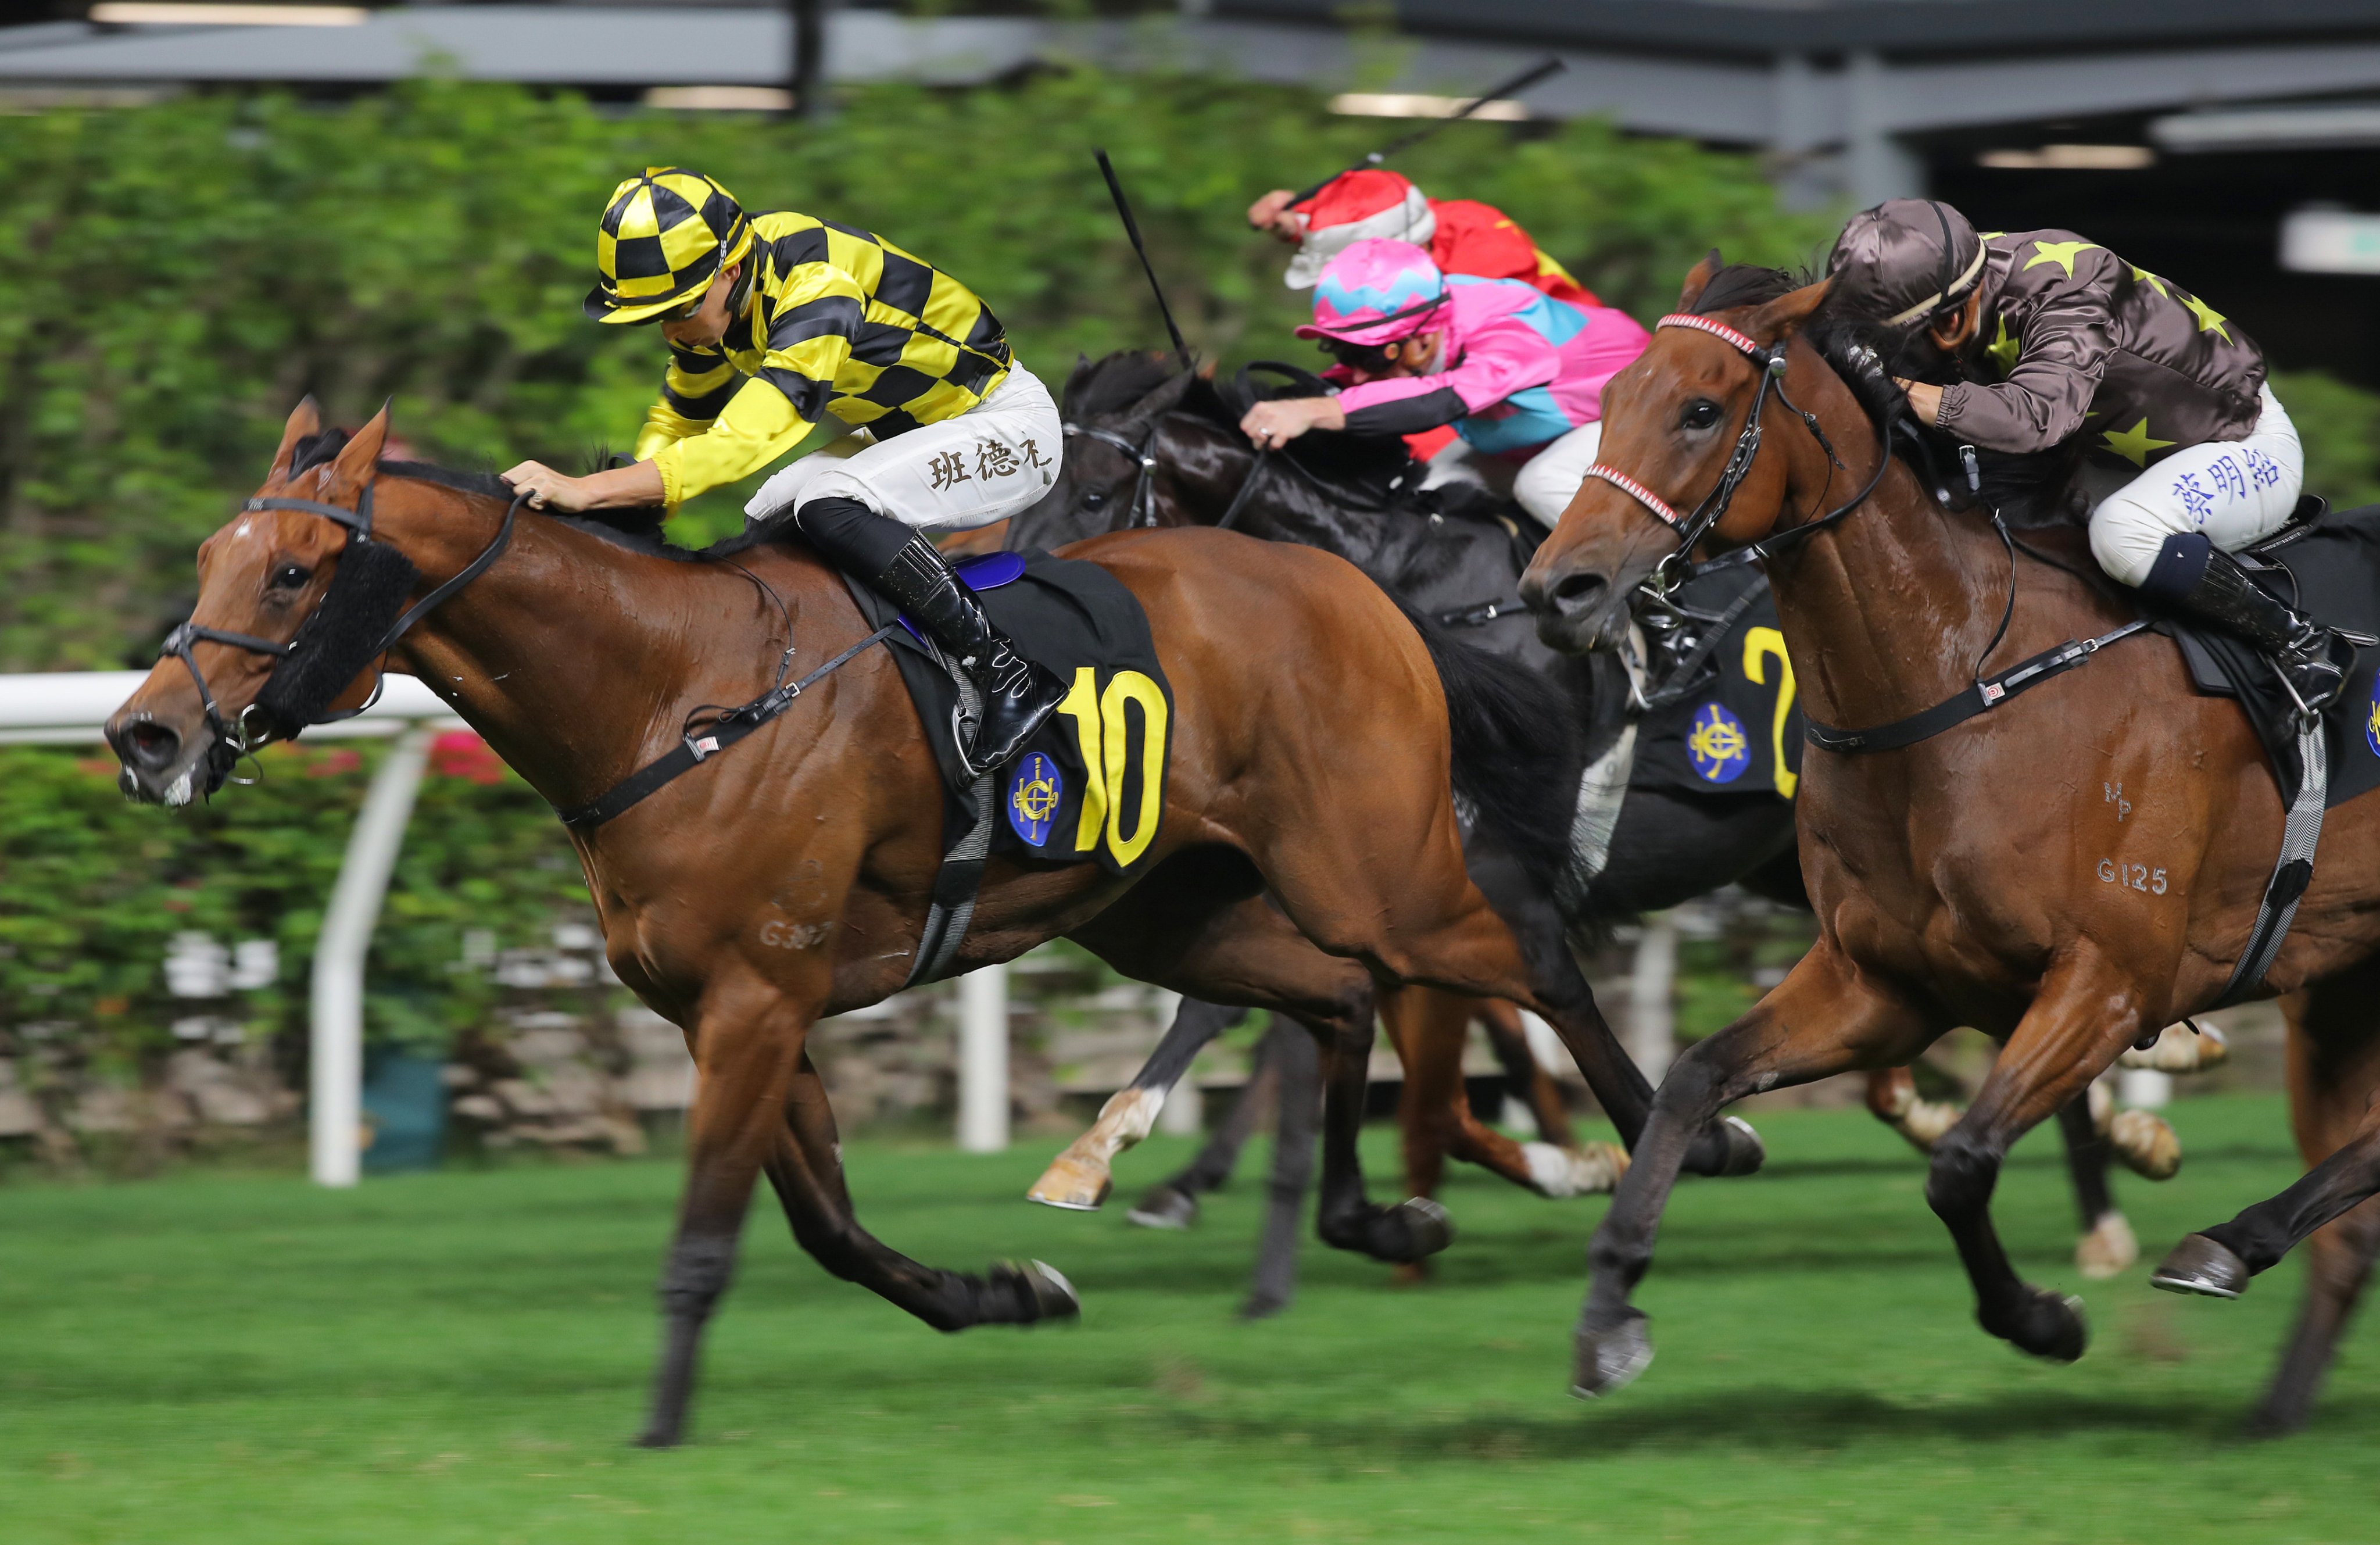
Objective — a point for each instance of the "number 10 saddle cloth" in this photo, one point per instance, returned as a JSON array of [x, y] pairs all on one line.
[[1088, 787]]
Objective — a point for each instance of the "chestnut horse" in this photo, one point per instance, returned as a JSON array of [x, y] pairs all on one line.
[[1308, 842], [1956, 880]]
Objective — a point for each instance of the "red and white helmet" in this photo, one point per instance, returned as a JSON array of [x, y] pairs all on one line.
[[1357, 206]]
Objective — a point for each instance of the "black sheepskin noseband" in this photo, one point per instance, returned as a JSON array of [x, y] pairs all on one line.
[[348, 630]]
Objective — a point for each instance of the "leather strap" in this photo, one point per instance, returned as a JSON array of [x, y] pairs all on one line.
[[1985, 695]]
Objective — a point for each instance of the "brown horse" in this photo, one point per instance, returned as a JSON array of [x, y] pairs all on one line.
[[789, 878], [1956, 880]]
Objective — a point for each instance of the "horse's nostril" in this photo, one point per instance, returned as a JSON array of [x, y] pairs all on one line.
[[1578, 591], [148, 744]]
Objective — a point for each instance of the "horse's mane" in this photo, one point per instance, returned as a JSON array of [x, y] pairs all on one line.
[[1744, 283], [637, 527]]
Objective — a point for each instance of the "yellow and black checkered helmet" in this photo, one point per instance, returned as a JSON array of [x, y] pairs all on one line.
[[661, 238]]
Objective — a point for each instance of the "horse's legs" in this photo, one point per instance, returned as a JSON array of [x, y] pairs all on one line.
[[1893, 1100], [1430, 1029], [1530, 1083], [2106, 1246], [1078, 1179], [1174, 1201], [1825, 1017], [1296, 1057]]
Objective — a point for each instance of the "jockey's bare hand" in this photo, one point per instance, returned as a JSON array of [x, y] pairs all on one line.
[[1273, 424], [1271, 214], [637, 484]]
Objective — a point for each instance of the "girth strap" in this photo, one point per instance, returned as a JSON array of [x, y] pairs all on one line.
[[699, 746], [1985, 694], [2301, 832]]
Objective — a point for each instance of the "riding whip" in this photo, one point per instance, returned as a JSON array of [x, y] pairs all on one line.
[[1521, 82], [1132, 230]]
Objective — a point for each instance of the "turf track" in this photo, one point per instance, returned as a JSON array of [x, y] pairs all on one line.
[[459, 1357]]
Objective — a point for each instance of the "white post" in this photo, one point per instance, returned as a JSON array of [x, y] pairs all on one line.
[[335, 1113], [1183, 1115], [1651, 1023], [983, 1060]]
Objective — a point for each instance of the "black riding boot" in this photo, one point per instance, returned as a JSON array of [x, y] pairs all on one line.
[[2206, 584], [1017, 694]]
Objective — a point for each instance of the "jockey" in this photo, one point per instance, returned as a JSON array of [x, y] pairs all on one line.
[[1518, 374], [1461, 234], [2046, 338], [932, 422]]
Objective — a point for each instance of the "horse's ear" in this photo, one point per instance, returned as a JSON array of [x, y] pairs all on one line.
[[1206, 370], [1784, 315], [304, 419], [1698, 279], [360, 462]]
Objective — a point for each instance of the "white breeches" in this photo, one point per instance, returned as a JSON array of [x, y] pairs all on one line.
[[2234, 491], [1550, 482], [996, 459]]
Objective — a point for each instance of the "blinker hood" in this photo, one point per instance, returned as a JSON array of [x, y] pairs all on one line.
[[340, 641]]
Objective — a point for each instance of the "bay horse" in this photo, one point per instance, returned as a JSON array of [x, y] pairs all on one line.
[[1955, 879], [789, 878], [1154, 445]]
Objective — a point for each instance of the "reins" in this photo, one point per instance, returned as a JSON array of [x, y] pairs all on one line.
[[1987, 692]]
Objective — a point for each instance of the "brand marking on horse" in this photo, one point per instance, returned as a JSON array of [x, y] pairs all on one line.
[[779, 934], [2132, 877], [2115, 796]]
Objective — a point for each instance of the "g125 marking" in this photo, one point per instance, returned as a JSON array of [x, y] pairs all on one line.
[[2137, 877]]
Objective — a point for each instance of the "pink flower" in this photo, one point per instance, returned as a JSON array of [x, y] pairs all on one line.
[[462, 754]]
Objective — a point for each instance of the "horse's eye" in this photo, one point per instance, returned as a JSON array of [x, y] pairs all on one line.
[[1095, 498], [290, 577], [1701, 413]]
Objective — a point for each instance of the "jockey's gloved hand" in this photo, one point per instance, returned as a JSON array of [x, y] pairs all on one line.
[[1864, 370]]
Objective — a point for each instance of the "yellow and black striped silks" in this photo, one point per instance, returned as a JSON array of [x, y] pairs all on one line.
[[661, 237], [839, 321]]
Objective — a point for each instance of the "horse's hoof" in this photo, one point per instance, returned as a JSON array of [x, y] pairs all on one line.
[[656, 1438], [2270, 1420], [2050, 1325], [1549, 1170], [1727, 1147], [1262, 1306], [2146, 1143], [1595, 1169], [1164, 1207], [2177, 1050], [1610, 1359], [2108, 1249], [1428, 1228], [1035, 1291], [1074, 1184], [2200, 1265]]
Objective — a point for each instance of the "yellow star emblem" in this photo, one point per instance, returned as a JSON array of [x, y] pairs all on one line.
[[1990, 235], [2209, 319], [2002, 350], [2142, 276], [2134, 445], [2062, 253]]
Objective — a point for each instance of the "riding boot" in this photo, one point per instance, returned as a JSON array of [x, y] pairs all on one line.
[[1017, 693], [2207, 585]]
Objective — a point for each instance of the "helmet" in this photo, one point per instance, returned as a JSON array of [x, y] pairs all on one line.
[[662, 236], [1904, 261], [1352, 207], [1376, 292]]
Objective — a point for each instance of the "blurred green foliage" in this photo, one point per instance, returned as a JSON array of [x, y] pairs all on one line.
[[2339, 425], [92, 890], [180, 274]]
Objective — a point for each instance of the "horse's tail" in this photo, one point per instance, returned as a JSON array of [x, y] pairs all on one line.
[[1515, 758]]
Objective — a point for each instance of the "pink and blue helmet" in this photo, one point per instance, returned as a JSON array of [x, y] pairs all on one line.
[[1376, 292]]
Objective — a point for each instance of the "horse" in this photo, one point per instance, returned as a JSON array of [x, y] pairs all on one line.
[[790, 878], [1955, 876], [1137, 423]]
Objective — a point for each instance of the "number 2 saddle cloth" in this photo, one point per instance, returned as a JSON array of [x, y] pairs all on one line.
[[1088, 787], [1722, 715]]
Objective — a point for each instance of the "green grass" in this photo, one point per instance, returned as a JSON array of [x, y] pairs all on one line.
[[460, 1357]]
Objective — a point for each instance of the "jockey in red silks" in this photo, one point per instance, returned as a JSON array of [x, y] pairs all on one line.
[[1518, 374], [1462, 235]]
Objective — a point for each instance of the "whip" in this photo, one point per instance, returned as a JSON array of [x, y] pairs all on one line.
[[1132, 230], [1552, 65]]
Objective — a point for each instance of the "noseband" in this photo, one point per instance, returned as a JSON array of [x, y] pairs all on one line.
[[239, 737], [1691, 528]]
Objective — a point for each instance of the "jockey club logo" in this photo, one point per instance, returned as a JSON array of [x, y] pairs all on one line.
[[2371, 720], [1033, 798], [1716, 743]]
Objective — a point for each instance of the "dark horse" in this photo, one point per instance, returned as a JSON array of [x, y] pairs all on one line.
[[1956, 877], [1136, 422], [789, 878]]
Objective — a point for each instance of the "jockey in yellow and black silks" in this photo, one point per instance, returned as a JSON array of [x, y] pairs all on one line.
[[779, 323]]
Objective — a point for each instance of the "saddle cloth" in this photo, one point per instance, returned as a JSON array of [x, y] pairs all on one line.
[[1088, 787], [1725, 719], [2328, 567]]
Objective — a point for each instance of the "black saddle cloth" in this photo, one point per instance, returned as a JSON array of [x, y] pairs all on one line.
[[1088, 786], [2327, 567], [1724, 716]]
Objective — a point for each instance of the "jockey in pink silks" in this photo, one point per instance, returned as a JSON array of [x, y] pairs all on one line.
[[1518, 373]]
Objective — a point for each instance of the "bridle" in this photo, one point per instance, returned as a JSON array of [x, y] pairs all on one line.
[[239, 736], [1142, 511], [1691, 528]]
